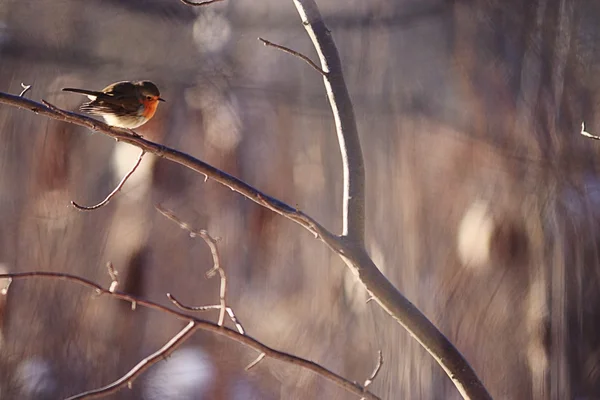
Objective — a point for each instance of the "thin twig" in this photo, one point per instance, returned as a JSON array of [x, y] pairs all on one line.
[[199, 4], [214, 250], [114, 192], [25, 89], [230, 312], [294, 53], [371, 378], [587, 134], [254, 363], [140, 367], [203, 325]]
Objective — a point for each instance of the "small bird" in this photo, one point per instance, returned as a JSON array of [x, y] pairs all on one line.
[[126, 104]]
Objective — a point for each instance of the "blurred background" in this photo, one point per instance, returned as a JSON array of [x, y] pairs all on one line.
[[483, 199]]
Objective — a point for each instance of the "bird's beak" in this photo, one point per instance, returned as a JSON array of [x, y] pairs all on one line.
[[159, 99]]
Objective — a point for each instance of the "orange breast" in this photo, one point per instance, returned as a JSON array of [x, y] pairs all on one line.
[[149, 108]]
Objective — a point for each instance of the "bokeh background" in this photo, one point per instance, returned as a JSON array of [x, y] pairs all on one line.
[[483, 199]]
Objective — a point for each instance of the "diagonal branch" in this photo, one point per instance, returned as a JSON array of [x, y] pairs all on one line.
[[140, 367], [245, 340], [122, 135]]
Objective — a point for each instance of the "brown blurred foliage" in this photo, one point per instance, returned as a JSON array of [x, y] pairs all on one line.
[[482, 198]]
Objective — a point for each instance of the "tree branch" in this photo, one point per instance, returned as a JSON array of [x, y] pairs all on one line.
[[123, 135], [354, 253], [345, 123], [245, 340]]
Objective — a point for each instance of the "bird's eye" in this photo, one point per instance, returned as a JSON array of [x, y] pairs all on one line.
[[148, 97]]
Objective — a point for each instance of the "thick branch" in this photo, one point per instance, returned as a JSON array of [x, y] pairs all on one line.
[[345, 123], [418, 326], [206, 326]]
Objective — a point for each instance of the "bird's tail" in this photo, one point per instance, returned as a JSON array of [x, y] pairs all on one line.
[[83, 91]]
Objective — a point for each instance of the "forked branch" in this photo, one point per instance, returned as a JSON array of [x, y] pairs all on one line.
[[193, 324], [354, 252]]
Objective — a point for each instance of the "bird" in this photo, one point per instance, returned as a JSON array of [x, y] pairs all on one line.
[[124, 104]]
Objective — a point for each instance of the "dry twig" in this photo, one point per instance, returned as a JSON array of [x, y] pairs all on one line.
[[294, 53], [114, 192], [214, 250], [230, 313], [25, 89], [371, 378], [254, 363]]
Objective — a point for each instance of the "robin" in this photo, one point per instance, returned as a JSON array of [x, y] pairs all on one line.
[[126, 104]]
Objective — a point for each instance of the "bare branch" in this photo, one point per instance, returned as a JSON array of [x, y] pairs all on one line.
[[144, 364], [214, 250], [294, 53], [173, 155], [353, 200], [199, 4], [114, 192], [354, 253], [245, 340], [25, 89], [230, 312]]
